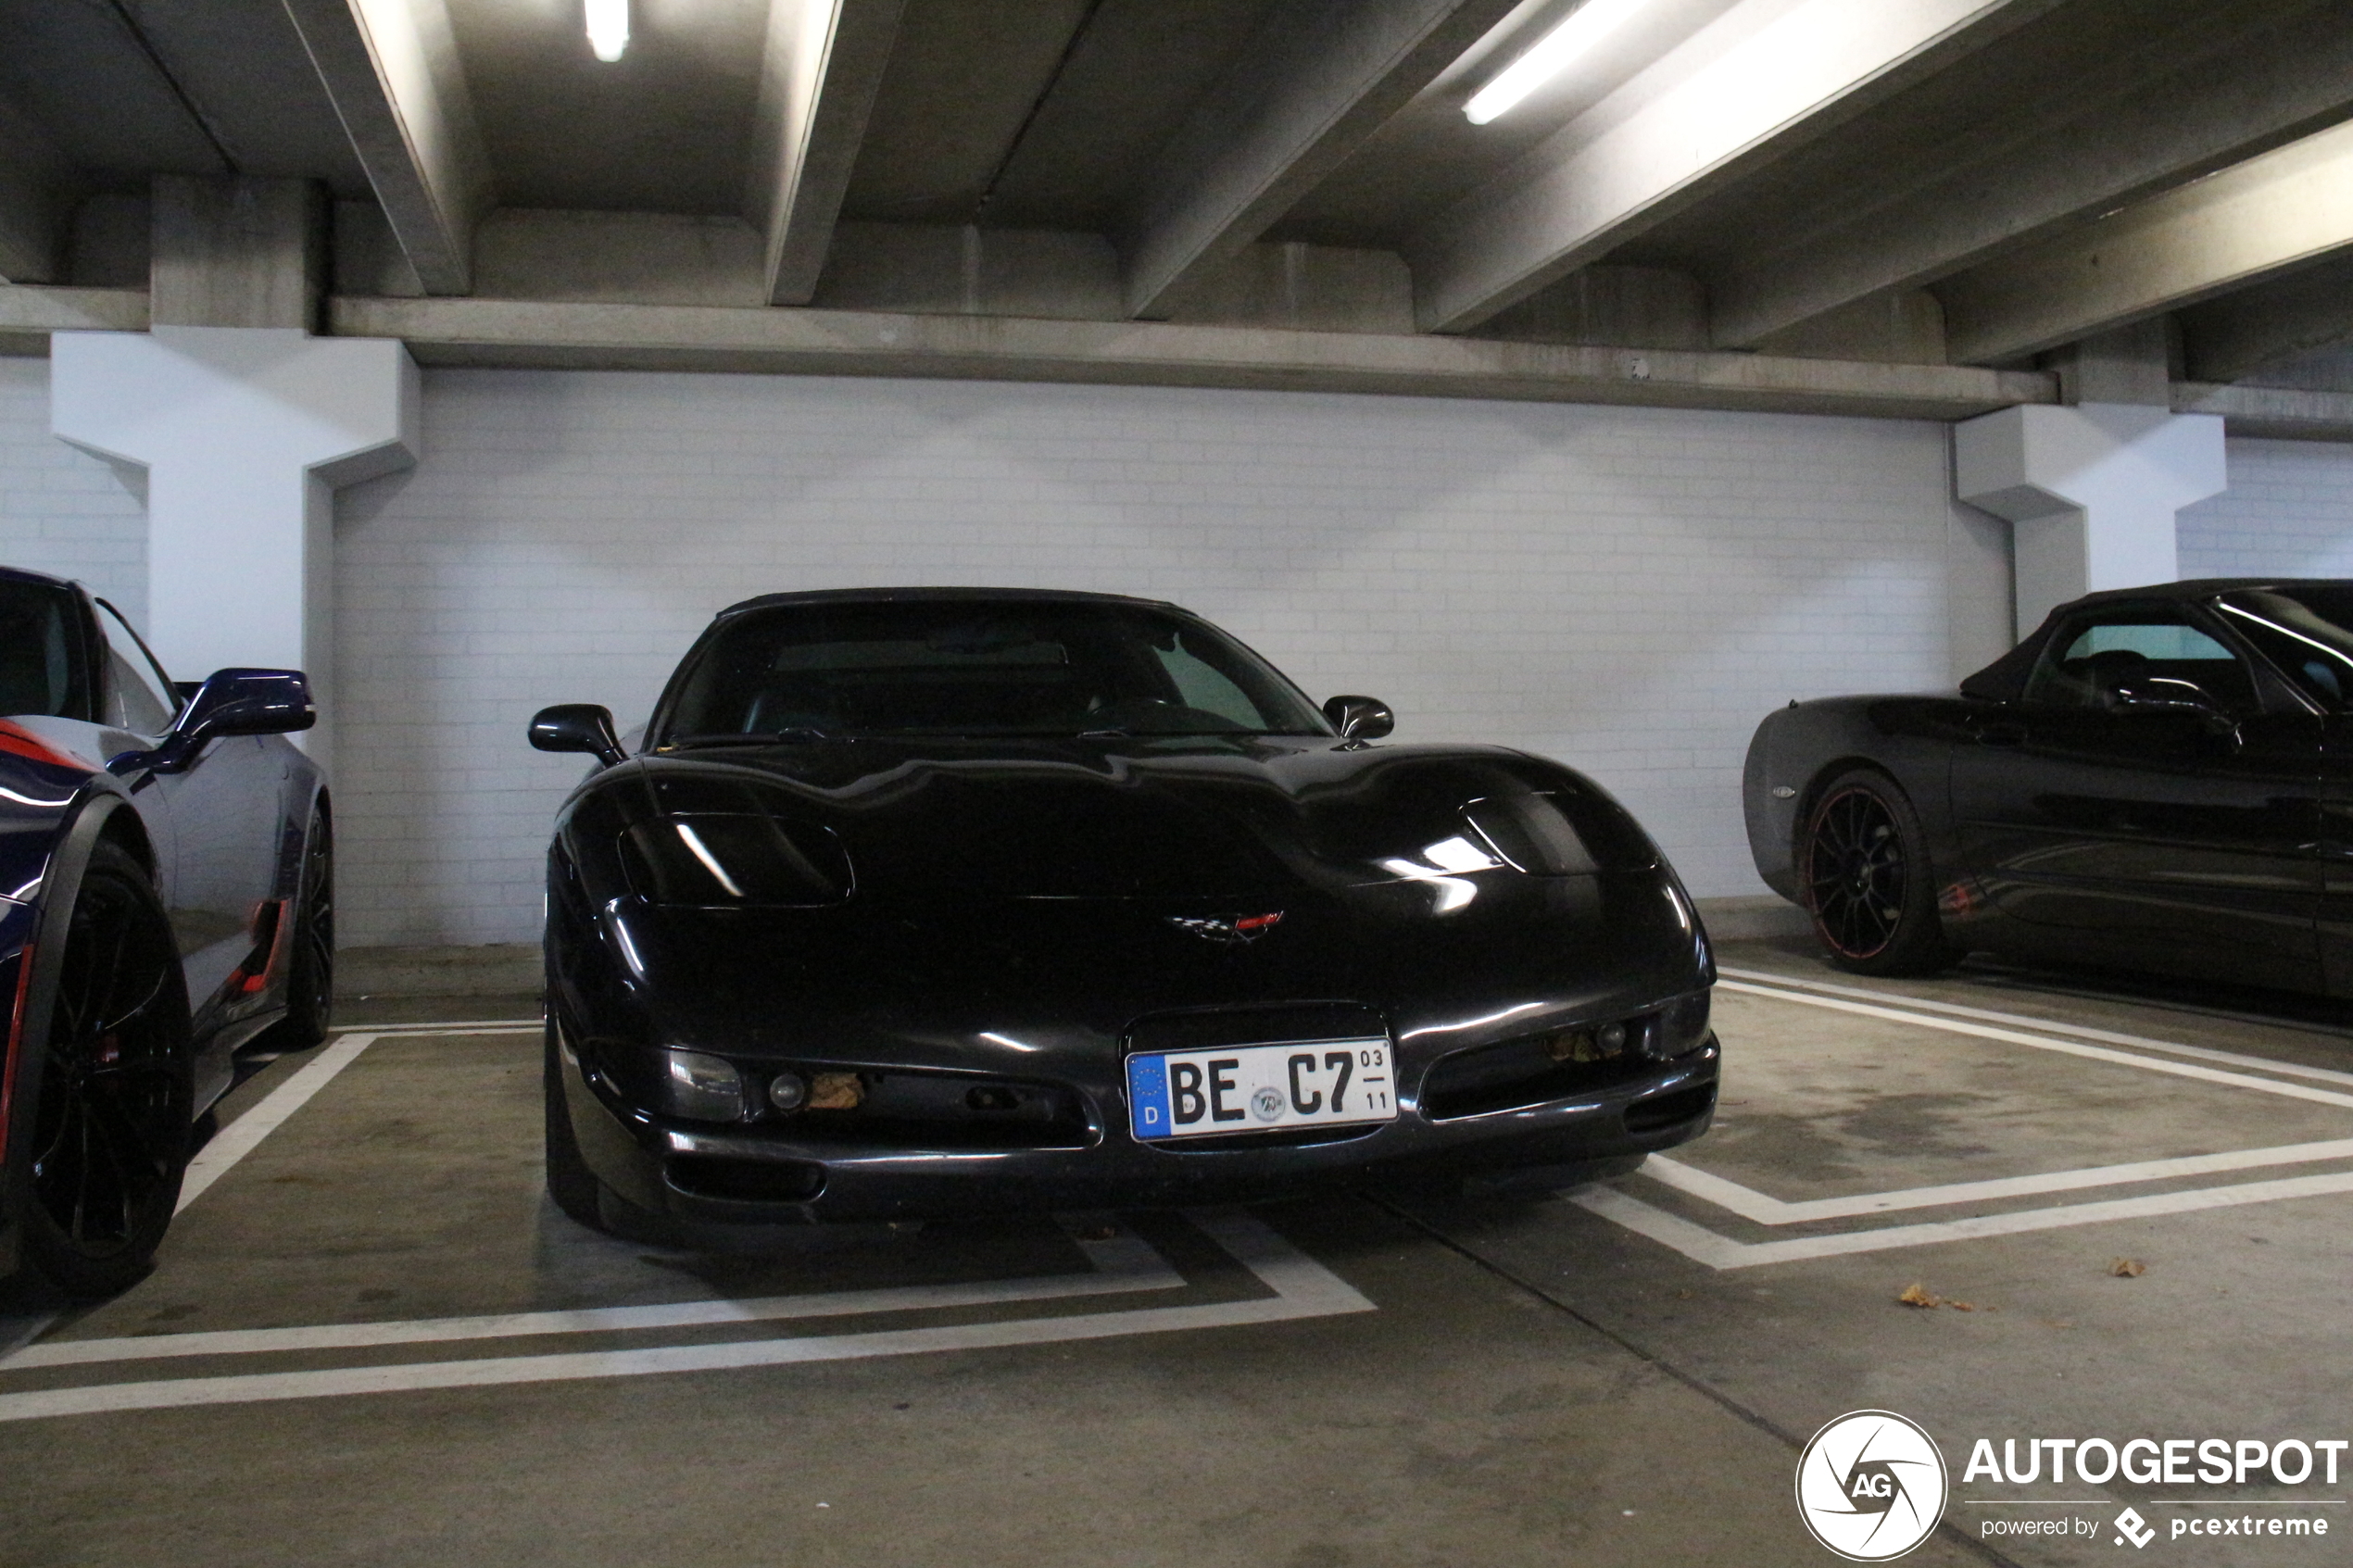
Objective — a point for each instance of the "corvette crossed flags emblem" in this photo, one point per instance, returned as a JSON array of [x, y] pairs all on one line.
[[1228, 929]]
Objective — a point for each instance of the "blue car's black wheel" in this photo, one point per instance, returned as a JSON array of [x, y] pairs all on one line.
[[1868, 884], [310, 979], [110, 1127]]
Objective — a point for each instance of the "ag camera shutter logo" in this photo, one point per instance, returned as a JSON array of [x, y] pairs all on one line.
[[1871, 1486]]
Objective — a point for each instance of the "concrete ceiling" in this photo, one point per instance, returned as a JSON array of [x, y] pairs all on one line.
[[1879, 181]]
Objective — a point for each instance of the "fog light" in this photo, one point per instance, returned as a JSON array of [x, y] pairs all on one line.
[[705, 1088], [1611, 1037], [788, 1091]]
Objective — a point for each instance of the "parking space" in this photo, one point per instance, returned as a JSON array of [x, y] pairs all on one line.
[[371, 1339]]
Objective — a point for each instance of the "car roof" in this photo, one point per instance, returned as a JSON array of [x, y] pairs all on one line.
[[974, 596], [2198, 588], [2003, 680], [19, 574]]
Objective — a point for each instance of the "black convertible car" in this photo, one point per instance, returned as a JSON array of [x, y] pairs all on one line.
[[166, 895], [923, 901], [2158, 779]]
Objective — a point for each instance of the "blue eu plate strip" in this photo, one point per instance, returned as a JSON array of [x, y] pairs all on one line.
[[1147, 1096]]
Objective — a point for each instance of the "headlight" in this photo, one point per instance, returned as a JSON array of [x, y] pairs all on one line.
[[700, 1087]]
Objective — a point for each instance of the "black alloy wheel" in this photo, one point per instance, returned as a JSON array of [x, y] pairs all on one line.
[[1868, 883], [110, 1128], [310, 979]]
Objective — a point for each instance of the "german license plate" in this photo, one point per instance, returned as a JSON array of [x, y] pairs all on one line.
[[1260, 1088]]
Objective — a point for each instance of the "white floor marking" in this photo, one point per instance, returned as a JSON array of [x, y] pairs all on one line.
[[1750, 1204], [1302, 1287], [466, 1026], [238, 1139], [1125, 1265], [2073, 1031], [1699, 1243], [2044, 1042], [1704, 1246]]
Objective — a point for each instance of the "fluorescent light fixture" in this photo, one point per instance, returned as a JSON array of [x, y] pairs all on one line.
[[1551, 56], [608, 28]]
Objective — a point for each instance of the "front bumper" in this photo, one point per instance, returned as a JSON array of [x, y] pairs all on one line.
[[764, 1176]]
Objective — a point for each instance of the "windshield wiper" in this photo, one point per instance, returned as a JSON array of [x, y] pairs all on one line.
[[763, 737]]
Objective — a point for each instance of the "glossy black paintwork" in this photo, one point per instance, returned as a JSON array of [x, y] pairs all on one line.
[[2159, 841], [1012, 918], [221, 820]]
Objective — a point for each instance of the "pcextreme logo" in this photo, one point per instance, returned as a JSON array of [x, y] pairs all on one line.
[[1871, 1486]]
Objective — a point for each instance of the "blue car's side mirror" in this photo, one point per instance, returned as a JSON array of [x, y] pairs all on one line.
[[249, 702], [231, 702]]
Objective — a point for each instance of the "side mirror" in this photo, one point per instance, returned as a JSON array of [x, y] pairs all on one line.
[[578, 726], [234, 702], [1360, 718]]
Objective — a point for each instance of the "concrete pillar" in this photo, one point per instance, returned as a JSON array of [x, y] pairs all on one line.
[[245, 426], [2091, 492]]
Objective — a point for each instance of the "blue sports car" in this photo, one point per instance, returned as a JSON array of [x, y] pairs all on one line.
[[166, 894]]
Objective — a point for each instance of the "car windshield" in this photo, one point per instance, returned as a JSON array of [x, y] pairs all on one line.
[[2305, 632], [37, 667], [967, 667]]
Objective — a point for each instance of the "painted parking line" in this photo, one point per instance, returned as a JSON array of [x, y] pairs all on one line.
[[2052, 1026], [240, 1138], [1702, 1245], [2049, 1043], [1300, 1288], [1766, 1209], [1123, 1264], [1718, 1252]]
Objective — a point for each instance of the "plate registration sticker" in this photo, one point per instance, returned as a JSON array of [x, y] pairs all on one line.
[[1258, 1088]]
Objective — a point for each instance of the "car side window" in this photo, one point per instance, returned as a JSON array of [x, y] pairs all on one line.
[[2157, 650], [139, 698]]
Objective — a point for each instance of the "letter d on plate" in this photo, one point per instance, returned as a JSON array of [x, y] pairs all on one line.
[[1148, 1112]]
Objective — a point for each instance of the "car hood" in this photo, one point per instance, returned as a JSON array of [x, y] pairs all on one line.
[[1191, 818]]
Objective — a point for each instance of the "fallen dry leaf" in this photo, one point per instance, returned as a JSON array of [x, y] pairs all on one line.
[[1918, 1294], [2128, 1267], [1960, 1306]]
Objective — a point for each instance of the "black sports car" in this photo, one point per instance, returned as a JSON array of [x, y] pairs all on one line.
[[921, 901], [2158, 779], [165, 897]]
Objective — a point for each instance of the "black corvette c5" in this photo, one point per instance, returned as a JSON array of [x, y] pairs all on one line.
[[928, 901], [2158, 779]]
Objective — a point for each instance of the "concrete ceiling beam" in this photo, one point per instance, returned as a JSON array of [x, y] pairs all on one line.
[[823, 62], [517, 332], [36, 200], [29, 313], [1695, 123], [2253, 220], [2278, 413], [2230, 91], [2259, 329], [1318, 78], [391, 68]]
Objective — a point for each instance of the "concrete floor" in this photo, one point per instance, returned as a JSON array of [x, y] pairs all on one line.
[[419, 1361]]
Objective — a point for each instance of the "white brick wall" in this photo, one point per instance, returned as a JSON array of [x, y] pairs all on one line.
[[1626, 589], [2289, 511], [62, 510]]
